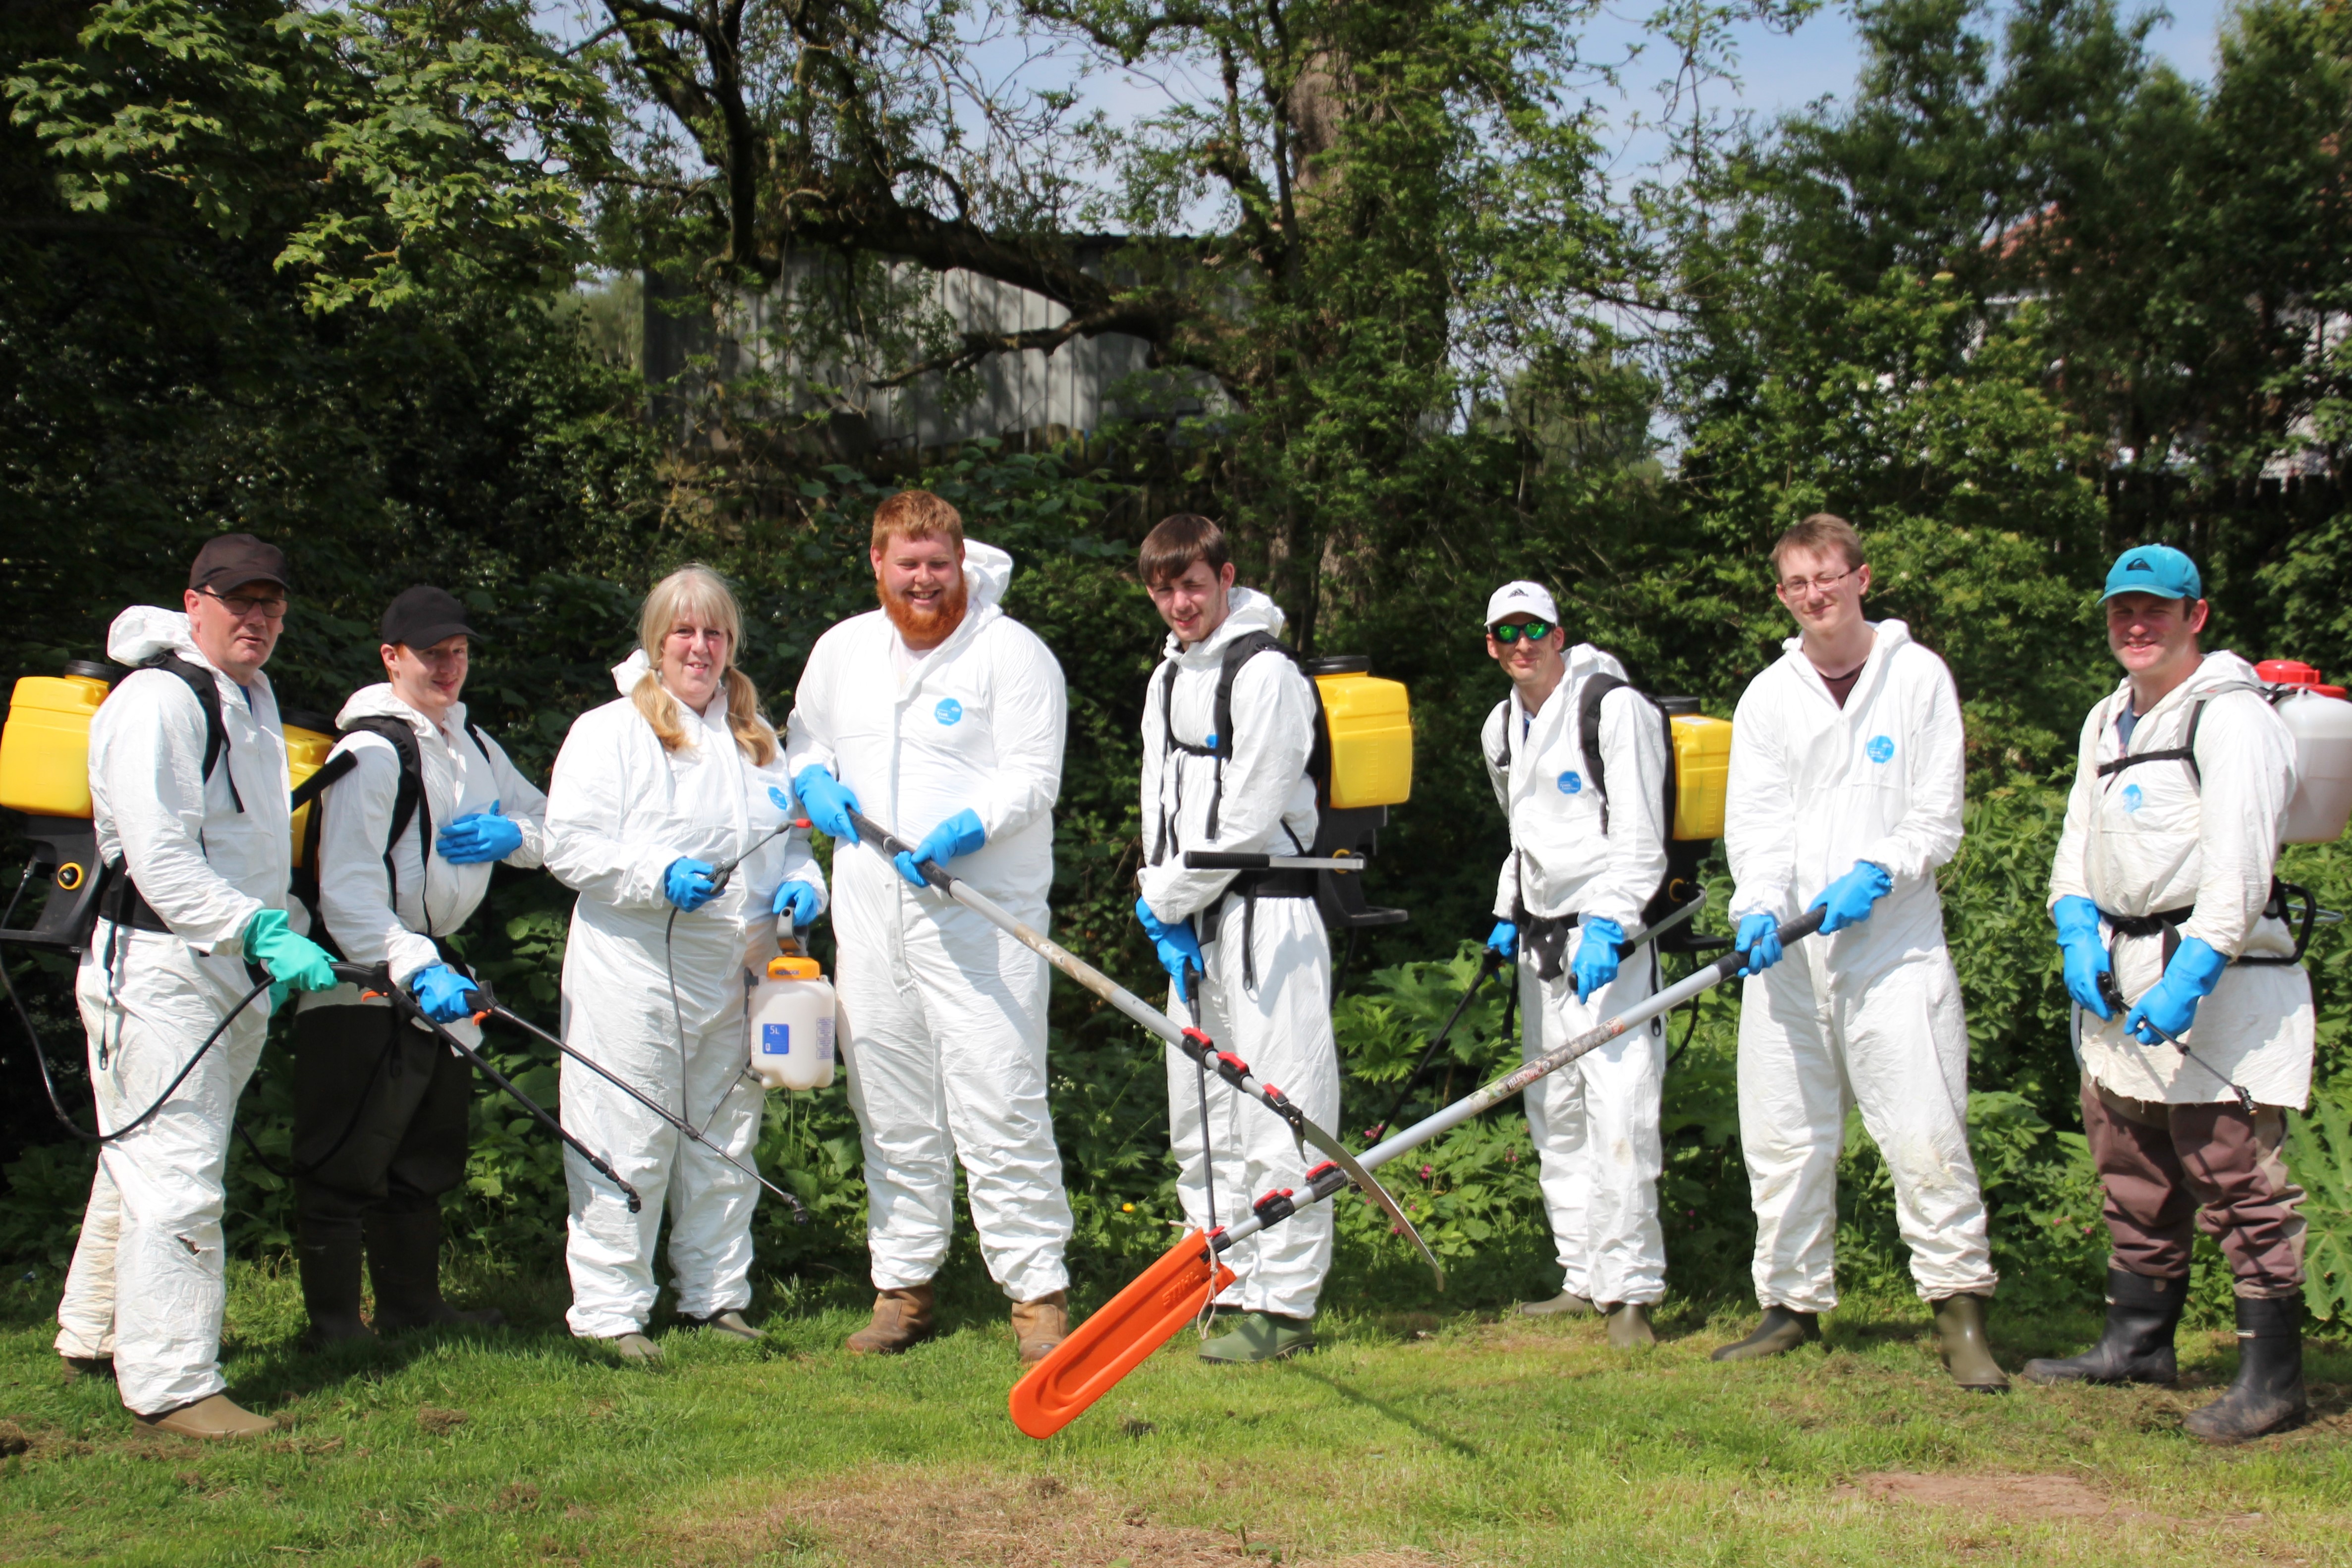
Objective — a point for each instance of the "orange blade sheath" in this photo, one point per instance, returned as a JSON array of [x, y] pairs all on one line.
[[1119, 1338]]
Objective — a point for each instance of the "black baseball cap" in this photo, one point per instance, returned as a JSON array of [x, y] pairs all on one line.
[[423, 616], [232, 560]]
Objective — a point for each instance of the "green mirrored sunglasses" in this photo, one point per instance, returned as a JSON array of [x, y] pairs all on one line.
[[1509, 631]]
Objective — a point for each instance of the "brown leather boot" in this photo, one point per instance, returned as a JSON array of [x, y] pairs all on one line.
[[215, 1416], [902, 1320], [1040, 1325]]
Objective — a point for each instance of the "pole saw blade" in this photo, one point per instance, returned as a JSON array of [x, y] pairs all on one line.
[[1369, 1185], [1119, 1337]]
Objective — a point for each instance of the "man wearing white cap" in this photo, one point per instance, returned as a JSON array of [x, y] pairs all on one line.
[[1577, 758]]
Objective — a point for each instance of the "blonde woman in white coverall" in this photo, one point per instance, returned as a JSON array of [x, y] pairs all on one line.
[[650, 793], [1845, 791], [207, 853], [941, 718], [1595, 1124], [1246, 951]]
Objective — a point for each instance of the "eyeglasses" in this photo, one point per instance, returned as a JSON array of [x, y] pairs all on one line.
[[1794, 586], [241, 605], [1509, 631]]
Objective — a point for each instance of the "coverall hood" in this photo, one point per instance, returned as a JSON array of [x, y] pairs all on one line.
[[145, 630]]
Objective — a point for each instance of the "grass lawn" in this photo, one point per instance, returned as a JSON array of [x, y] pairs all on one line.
[[1402, 1442]]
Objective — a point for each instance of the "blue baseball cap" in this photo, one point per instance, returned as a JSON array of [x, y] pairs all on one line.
[[2154, 569]]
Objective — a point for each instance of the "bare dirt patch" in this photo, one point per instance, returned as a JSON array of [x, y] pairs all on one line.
[[2002, 1499], [917, 1519]]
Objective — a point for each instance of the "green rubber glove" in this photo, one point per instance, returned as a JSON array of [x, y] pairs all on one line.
[[294, 961]]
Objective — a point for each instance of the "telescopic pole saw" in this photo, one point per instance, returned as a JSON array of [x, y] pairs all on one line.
[[1339, 1168], [1169, 1294]]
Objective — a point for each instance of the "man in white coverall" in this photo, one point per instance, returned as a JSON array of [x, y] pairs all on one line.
[[941, 718], [194, 909], [1247, 950], [2170, 851], [1587, 856], [381, 1107], [1844, 793], [651, 794]]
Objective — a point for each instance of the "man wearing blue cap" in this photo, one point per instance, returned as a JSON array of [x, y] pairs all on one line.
[[2193, 1020]]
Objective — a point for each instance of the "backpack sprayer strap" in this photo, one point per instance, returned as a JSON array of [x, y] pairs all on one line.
[[2166, 923], [121, 902]]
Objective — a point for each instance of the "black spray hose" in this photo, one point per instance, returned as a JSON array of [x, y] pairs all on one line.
[[375, 980], [48, 1083], [492, 1008], [1488, 963]]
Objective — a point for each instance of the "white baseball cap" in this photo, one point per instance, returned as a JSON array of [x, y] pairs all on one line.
[[1525, 598]]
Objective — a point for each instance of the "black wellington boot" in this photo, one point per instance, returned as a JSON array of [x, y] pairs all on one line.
[[2267, 1394], [2138, 1345], [329, 1256], [1781, 1332], [405, 1261]]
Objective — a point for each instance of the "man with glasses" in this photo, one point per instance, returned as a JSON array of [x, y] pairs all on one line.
[[407, 841], [188, 796], [1844, 794], [1586, 802]]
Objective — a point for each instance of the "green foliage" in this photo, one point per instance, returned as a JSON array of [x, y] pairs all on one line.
[[2319, 1154]]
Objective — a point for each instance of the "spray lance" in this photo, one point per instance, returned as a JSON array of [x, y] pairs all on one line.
[[1490, 962], [1141, 1318], [1340, 1168]]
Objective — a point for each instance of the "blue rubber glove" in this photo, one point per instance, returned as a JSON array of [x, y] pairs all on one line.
[[442, 991], [2170, 1004], [2077, 920], [1849, 898], [800, 901], [1759, 938], [293, 960], [1505, 939], [1177, 947], [958, 835], [478, 836], [828, 803], [687, 884], [1596, 954]]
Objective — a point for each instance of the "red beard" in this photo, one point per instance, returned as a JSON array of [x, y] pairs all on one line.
[[929, 626]]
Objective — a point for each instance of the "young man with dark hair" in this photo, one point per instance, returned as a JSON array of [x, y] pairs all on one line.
[[1846, 778], [1245, 952], [945, 716], [2170, 851], [381, 1108], [1588, 853]]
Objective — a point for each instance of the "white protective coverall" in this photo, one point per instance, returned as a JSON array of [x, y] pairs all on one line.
[[1595, 1121], [1282, 1025], [356, 894], [946, 1013], [620, 809], [1869, 1016], [2156, 837], [146, 1285]]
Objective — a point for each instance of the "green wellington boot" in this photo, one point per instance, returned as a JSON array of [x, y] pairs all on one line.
[[1629, 1326], [1960, 1340], [1259, 1336], [1781, 1332], [1566, 1304]]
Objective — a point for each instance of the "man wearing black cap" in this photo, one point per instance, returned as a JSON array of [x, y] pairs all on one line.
[[187, 783], [407, 841]]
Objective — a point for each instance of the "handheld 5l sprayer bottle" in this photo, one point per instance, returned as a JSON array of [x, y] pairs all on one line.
[[789, 1020]]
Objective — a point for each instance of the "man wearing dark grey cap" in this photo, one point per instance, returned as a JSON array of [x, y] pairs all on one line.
[[187, 783], [407, 840]]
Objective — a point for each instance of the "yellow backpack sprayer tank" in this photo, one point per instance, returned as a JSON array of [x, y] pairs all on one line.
[[45, 774], [1366, 768]]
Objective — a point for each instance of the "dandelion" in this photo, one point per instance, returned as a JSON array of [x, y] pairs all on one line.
[[1126, 1208]]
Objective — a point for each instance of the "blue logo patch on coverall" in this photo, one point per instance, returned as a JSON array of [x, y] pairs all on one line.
[[1879, 749], [949, 711], [2132, 798], [1570, 784]]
